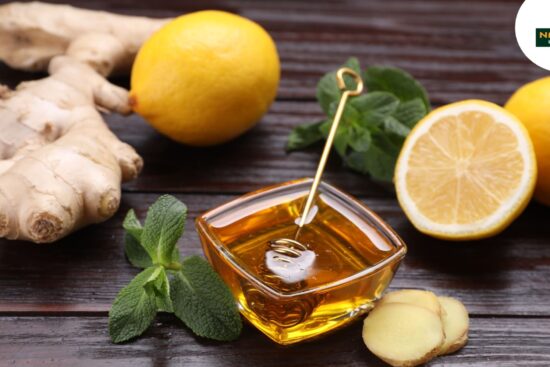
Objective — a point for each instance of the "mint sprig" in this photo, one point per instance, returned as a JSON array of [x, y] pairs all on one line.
[[374, 125], [133, 309], [189, 288], [204, 303]]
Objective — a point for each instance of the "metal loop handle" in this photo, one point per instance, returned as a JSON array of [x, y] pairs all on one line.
[[341, 82], [292, 247], [330, 138]]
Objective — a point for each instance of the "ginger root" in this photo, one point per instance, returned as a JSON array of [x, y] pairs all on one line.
[[31, 34], [60, 165], [410, 327]]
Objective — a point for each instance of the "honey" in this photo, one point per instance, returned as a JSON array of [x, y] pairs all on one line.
[[349, 258]]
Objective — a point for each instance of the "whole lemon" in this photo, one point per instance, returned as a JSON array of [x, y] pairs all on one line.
[[531, 105], [205, 78]]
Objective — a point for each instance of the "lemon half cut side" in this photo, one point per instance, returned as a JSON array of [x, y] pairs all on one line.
[[466, 171]]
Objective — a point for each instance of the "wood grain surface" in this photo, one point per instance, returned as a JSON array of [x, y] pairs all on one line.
[[75, 341], [54, 299]]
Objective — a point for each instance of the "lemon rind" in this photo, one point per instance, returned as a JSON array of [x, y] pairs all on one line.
[[508, 210]]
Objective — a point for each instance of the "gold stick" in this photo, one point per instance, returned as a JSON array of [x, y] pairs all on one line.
[[328, 145]]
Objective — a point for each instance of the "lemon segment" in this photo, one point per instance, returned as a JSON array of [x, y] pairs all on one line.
[[466, 171]]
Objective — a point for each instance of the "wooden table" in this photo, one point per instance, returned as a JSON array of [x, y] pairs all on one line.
[[54, 299]]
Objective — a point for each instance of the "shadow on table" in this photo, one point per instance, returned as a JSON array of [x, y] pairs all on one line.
[[510, 249]]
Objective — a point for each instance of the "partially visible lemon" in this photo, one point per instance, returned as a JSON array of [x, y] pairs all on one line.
[[205, 78], [531, 105], [466, 171]]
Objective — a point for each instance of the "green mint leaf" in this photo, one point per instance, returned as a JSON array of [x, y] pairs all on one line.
[[379, 160], [397, 82], [374, 161], [360, 139], [159, 285], [353, 64], [325, 128], [163, 227], [176, 255], [203, 302], [327, 92], [410, 112], [350, 117], [136, 254], [341, 140], [133, 309], [383, 103], [372, 119], [392, 125], [132, 225], [304, 135], [327, 88]]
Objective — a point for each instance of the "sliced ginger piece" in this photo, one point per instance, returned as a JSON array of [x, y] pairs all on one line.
[[455, 324], [415, 297], [403, 335]]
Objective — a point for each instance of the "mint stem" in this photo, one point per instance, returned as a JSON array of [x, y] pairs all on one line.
[[176, 266]]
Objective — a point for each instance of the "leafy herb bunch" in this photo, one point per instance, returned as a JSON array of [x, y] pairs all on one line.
[[187, 287], [374, 125]]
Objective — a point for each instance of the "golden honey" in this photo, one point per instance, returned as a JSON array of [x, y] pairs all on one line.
[[349, 260]]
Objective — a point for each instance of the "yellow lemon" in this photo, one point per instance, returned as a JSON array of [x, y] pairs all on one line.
[[205, 78], [531, 105], [466, 171]]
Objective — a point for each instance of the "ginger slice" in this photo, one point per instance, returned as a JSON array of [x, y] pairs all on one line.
[[415, 297], [403, 335], [455, 323]]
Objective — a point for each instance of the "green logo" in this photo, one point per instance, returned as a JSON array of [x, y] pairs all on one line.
[[543, 37]]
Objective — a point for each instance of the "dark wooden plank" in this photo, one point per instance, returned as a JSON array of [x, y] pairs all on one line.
[[67, 341], [506, 275], [254, 160]]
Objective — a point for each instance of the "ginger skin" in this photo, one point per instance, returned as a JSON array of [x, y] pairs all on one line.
[[60, 166], [31, 34]]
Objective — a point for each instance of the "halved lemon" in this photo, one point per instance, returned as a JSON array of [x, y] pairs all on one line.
[[466, 171]]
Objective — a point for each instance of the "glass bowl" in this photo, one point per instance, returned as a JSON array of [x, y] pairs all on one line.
[[350, 258]]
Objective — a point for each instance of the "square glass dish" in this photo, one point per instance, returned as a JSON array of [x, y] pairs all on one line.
[[349, 259]]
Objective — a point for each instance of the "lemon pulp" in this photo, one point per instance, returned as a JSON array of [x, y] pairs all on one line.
[[465, 171]]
